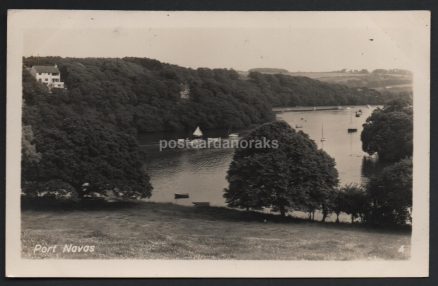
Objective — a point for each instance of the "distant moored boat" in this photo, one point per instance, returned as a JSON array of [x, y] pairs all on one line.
[[322, 134], [352, 129]]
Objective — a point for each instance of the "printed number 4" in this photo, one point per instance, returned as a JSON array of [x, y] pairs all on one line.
[[401, 249]]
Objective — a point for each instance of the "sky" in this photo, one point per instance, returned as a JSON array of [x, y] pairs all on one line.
[[296, 41]]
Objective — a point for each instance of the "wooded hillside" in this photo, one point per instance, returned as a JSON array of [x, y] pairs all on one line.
[[145, 95]]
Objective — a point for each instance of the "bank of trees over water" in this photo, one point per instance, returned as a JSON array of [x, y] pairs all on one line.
[[284, 90], [299, 176], [144, 95], [71, 155]]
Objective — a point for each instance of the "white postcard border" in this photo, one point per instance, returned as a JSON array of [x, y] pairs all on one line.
[[417, 266]]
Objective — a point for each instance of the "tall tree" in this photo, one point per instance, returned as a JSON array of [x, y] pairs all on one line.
[[294, 175], [389, 132]]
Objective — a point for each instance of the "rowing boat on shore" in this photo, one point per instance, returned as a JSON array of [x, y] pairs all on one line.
[[182, 196], [201, 204]]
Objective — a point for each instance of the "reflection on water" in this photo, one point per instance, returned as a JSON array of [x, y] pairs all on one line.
[[202, 173]]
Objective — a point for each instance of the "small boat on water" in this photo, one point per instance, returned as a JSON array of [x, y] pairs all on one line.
[[298, 126], [358, 114], [201, 204], [233, 136], [182, 196], [352, 129]]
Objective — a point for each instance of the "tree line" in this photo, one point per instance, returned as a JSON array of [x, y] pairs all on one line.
[[285, 90], [144, 95]]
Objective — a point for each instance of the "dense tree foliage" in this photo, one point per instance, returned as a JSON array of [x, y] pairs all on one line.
[[296, 175], [350, 199], [83, 152], [63, 149], [390, 194], [284, 90], [389, 132], [145, 95], [354, 201]]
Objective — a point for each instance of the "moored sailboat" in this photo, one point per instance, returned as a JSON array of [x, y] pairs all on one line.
[[322, 133], [351, 129], [198, 138]]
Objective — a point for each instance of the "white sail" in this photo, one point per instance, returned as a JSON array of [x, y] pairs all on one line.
[[197, 132]]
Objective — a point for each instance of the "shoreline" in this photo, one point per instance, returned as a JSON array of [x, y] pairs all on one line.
[[318, 108]]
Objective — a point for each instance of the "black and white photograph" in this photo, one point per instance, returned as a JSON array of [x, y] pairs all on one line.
[[217, 144]]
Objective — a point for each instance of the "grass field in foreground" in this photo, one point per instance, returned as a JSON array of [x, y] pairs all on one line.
[[166, 231]]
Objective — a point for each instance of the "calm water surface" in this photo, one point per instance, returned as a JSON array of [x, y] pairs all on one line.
[[201, 173]]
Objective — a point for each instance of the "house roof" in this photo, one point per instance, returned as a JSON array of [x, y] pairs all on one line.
[[46, 69]]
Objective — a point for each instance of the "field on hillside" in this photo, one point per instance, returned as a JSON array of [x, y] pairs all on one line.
[[387, 82], [166, 231]]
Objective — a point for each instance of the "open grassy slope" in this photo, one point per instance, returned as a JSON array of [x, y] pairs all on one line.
[[166, 231]]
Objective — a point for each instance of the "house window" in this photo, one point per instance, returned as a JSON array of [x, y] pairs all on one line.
[[55, 80], [46, 79]]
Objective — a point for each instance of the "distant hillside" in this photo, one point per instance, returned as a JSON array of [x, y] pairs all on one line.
[[379, 79], [285, 90], [269, 70]]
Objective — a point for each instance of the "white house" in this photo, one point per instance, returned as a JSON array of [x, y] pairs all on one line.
[[49, 75]]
